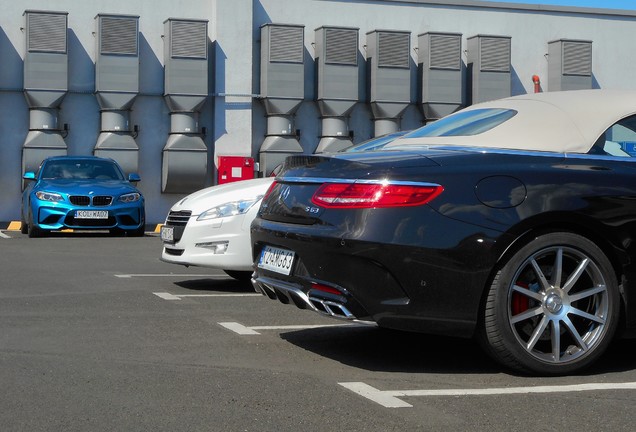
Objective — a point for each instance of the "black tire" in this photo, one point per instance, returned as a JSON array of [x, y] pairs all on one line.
[[33, 231], [553, 306], [24, 226], [242, 276]]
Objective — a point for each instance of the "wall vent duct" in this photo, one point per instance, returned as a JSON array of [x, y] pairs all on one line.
[[117, 86], [569, 65], [337, 78], [440, 73], [45, 84], [282, 90], [389, 77], [185, 155], [489, 68]]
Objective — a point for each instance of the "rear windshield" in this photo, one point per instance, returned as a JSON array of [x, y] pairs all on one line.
[[464, 123]]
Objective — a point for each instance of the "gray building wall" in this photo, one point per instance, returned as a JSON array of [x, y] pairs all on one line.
[[233, 115]]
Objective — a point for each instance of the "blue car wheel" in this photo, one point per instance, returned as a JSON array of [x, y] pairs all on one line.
[[24, 226], [33, 230]]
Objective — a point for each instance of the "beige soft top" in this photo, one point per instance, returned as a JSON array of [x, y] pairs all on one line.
[[564, 122]]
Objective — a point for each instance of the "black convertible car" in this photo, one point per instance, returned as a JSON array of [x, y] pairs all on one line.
[[513, 221]]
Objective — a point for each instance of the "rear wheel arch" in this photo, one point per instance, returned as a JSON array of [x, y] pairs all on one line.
[[612, 251]]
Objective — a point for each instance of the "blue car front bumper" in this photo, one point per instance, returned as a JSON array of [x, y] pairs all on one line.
[[62, 216]]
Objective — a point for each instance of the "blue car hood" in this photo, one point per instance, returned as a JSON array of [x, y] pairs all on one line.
[[86, 187]]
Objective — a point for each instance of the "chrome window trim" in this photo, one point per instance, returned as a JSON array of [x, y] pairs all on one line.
[[321, 180], [486, 150]]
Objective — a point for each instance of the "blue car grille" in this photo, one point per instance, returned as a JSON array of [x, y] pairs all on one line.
[[85, 200], [70, 221], [100, 200]]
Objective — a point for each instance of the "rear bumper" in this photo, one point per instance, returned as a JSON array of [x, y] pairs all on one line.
[[431, 284], [289, 293]]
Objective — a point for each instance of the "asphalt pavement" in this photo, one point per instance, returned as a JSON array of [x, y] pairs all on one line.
[[97, 334]]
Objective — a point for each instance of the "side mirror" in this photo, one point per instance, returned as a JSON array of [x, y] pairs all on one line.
[[134, 178], [29, 175]]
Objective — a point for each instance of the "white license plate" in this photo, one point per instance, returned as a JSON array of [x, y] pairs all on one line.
[[276, 259], [167, 233], [91, 214]]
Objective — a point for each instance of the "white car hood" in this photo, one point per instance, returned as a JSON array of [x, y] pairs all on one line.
[[207, 198]]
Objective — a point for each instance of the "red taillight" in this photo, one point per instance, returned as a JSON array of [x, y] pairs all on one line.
[[373, 195], [269, 191], [325, 288]]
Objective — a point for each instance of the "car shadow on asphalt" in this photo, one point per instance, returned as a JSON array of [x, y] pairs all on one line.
[[227, 285], [383, 350], [84, 234]]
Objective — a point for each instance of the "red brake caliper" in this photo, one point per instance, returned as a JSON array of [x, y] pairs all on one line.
[[520, 303]]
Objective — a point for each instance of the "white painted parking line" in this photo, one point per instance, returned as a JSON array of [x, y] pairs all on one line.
[[3, 235], [239, 328], [222, 295], [208, 276], [168, 296], [252, 330], [390, 399]]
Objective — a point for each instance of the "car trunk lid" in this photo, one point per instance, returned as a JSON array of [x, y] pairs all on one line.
[[291, 199]]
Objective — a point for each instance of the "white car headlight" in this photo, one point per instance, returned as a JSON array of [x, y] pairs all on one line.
[[49, 196], [131, 197], [229, 209]]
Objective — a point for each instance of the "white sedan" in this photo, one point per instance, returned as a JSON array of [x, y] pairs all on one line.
[[218, 222]]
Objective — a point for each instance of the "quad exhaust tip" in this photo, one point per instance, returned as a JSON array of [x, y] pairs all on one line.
[[288, 293]]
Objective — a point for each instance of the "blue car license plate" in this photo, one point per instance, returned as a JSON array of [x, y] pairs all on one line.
[[91, 214]]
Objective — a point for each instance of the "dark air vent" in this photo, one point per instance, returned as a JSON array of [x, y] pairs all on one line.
[[445, 52], [495, 54], [286, 45], [341, 47], [394, 50], [189, 39], [577, 58], [46, 32], [118, 36]]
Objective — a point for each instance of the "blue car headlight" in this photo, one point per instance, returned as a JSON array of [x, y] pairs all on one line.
[[131, 197], [229, 209], [49, 196]]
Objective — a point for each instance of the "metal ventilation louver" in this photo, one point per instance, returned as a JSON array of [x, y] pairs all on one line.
[[577, 58], [394, 50], [189, 39], [286, 44], [118, 36], [495, 54], [46, 32], [341, 47], [445, 52]]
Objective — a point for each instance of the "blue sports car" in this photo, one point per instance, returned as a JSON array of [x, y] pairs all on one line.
[[81, 193]]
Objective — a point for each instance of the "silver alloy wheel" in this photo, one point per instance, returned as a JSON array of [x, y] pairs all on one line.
[[558, 305]]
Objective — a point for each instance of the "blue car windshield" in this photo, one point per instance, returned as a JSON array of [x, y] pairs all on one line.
[[81, 170], [465, 123]]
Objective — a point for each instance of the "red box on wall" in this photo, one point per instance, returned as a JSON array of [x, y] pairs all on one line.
[[235, 168]]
